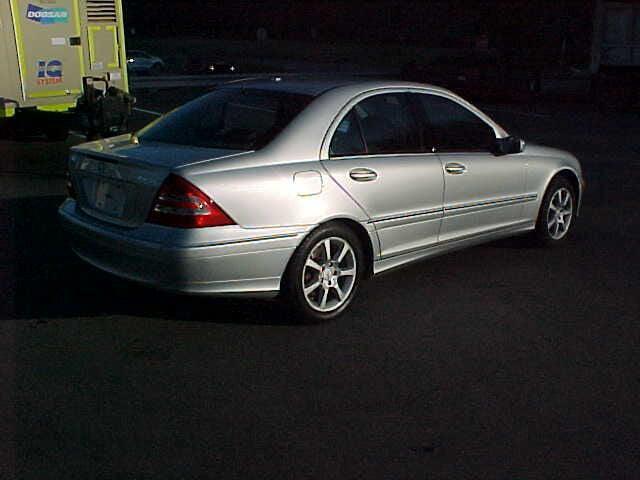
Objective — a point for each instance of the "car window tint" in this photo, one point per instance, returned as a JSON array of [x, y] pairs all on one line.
[[453, 128], [233, 118], [347, 139], [387, 124]]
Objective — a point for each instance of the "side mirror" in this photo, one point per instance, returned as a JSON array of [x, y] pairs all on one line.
[[508, 145]]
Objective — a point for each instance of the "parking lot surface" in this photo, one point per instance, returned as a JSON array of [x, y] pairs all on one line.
[[502, 361]]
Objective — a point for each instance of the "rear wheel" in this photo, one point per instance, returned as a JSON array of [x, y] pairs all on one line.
[[557, 212], [324, 273]]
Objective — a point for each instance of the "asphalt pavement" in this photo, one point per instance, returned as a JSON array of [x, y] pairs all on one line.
[[504, 361]]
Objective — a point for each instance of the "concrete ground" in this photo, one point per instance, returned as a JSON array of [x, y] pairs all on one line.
[[503, 361]]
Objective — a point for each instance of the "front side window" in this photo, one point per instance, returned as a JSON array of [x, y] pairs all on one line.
[[233, 118], [450, 127], [382, 124], [388, 124]]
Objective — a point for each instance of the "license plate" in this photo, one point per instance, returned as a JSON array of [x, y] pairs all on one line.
[[109, 198]]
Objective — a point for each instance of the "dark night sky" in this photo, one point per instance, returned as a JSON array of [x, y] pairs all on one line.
[[382, 20], [514, 25]]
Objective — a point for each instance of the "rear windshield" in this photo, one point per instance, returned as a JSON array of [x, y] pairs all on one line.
[[232, 118]]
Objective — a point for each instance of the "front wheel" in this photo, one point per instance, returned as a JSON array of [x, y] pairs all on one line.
[[557, 212], [324, 274]]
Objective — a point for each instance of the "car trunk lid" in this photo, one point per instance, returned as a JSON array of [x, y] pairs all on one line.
[[116, 180]]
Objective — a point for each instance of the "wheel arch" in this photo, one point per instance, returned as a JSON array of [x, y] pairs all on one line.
[[361, 232], [572, 177], [363, 236]]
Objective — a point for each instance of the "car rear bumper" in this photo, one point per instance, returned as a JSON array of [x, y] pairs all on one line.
[[225, 263]]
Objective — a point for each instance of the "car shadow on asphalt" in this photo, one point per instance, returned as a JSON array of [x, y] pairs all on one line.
[[519, 242], [45, 280]]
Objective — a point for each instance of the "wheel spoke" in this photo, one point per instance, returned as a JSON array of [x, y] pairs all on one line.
[[347, 273], [552, 222], [312, 288], [343, 253], [323, 303], [339, 290], [312, 263], [327, 248]]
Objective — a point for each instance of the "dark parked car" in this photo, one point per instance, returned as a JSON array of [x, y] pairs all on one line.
[[139, 62]]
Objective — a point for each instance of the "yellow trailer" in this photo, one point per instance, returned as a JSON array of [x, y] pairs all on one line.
[[51, 52]]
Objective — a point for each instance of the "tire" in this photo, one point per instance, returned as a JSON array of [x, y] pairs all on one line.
[[557, 213], [336, 279]]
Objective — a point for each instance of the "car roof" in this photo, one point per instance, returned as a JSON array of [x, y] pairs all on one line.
[[304, 86], [305, 136], [317, 86]]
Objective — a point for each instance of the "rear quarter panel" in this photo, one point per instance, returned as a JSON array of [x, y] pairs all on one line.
[[267, 197]]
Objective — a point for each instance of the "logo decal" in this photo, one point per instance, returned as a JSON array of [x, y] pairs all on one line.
[[47, 16], [49, 72]]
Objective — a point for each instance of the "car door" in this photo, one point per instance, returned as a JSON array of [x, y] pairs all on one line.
[[376, 155], [482, 191]]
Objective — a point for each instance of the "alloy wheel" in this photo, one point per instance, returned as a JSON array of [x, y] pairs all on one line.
[[329, 274], [560, 213]]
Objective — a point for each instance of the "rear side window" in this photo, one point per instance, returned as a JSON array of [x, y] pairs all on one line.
[[347, 140], [236, 119], [450, 127]]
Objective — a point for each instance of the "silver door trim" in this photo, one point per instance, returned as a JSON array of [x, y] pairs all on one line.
[[452, 210], [431, 212], [398, 259]]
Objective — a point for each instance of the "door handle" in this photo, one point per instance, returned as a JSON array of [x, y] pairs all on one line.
[[455, 168], [363, 175]]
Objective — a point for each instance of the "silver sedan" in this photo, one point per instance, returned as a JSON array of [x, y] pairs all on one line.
[[306, 188]]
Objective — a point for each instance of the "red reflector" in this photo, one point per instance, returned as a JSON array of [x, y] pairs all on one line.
[[181, 204]]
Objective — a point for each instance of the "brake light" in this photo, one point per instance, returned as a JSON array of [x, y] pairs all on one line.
[[181, 204]]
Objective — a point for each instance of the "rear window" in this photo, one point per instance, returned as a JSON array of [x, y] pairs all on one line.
[[232, 118]]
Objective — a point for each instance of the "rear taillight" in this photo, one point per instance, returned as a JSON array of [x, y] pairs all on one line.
[[181, 204]]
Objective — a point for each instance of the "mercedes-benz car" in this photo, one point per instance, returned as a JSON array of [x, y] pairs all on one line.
[[307, 188]]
